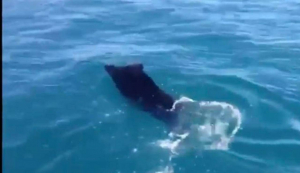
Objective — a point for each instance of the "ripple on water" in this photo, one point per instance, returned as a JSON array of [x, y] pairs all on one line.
[[56, 93]]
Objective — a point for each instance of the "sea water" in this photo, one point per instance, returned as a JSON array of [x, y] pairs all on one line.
[[233, 65]]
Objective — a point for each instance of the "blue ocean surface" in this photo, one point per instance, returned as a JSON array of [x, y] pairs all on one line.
[[62, 112]]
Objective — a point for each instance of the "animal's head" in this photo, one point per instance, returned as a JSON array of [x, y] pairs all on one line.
[[130, 79], [134, 83], [124, 72]]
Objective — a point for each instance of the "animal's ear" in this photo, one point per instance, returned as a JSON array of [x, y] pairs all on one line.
[[109, 69]]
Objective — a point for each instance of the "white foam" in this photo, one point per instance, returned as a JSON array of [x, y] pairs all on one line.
[[295, 124], [202, 125], [135, 150], [167, 169], [169, 144]]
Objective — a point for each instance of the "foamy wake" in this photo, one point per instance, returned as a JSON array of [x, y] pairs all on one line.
[[202, 126]]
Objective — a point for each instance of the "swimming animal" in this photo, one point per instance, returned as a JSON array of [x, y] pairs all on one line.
[[136, 85]]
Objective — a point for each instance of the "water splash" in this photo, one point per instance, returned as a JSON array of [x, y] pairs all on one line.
[[202, 125]]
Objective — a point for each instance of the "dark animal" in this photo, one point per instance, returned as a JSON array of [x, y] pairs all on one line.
[[136, 85]]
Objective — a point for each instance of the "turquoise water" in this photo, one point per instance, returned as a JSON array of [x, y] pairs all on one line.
[[62, 113]]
